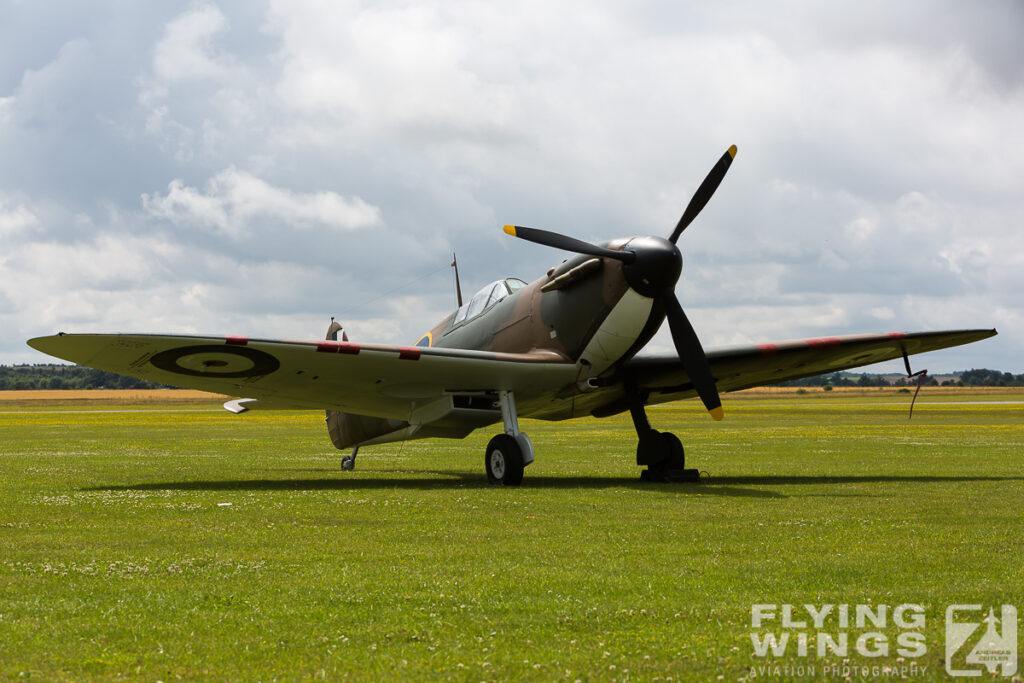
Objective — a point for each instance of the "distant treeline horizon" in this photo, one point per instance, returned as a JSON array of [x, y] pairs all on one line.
[[982, 377], [56, 377]]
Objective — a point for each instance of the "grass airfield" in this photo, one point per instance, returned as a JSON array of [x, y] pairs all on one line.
[[168, 538]]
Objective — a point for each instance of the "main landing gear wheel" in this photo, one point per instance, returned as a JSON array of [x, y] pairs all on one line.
[[504, 461], [663, 454]]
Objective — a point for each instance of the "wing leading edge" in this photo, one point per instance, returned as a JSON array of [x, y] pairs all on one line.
[[368, 379], [664, 378], [408, 383]]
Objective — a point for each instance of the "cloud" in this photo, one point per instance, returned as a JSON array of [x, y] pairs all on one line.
[[407, 69], [235, 200], [14, 220], [338, 150], [43, 95], [186, 50]]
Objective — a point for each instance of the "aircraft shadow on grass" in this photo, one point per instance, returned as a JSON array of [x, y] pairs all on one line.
[[434, 480], [794, 480], [712, 486]]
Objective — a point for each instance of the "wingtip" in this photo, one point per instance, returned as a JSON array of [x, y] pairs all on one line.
[[38, 343]]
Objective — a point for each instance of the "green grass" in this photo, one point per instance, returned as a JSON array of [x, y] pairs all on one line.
[[120, 556]]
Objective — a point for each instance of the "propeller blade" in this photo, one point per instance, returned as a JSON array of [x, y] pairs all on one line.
[[703, 193], [553, 239], [692, 354]]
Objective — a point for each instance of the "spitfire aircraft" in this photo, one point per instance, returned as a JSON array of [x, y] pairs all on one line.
[[563, 346]]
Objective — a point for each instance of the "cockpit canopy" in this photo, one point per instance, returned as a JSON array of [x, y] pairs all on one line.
[[487, 296]]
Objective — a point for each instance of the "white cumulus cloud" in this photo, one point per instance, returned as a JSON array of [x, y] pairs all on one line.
[[187, 50], [15, 219], [166, 165], [233, 201]]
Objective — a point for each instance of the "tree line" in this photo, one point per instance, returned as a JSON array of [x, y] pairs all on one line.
[[968, 378], [13, 377], [17, 377]]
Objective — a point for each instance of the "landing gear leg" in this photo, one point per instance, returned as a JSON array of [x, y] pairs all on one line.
[[508, 453], [348, 463], [661, 452]]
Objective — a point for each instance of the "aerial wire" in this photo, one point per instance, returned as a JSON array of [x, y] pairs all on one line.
[[356, 306]]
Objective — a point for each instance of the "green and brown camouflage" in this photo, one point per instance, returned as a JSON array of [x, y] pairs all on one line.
[[565, 345], [554, 322]]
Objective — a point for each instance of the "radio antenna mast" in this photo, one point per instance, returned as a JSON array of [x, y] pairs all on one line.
[[458, 287]]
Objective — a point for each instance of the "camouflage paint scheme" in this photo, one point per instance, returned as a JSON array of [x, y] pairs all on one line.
[[562, 346], [558, 325], [555, 324], [538, 341]]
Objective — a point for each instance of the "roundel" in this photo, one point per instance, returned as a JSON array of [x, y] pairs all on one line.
[[214, 360]]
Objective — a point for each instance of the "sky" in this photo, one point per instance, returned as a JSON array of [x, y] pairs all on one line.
[[255, 168]]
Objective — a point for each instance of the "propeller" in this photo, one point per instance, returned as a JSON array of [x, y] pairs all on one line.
[[691, 353], [703, 194], [553, 239], [652, 266]]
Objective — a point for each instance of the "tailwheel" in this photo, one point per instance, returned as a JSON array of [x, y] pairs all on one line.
[[348, 463], [504, 461]]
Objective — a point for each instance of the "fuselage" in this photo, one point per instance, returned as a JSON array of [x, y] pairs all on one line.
[[593, 312], [585, 310]]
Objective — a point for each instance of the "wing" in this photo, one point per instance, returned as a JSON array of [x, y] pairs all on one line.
[[368, 379], [762, 364]]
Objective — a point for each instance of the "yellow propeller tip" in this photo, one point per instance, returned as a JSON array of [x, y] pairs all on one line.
[[510, 229], [717, 413], [732, 151]]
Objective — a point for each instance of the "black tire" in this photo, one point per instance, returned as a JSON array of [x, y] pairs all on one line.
[[650, 448], [504, 461], [651, 475], [676, 459]]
